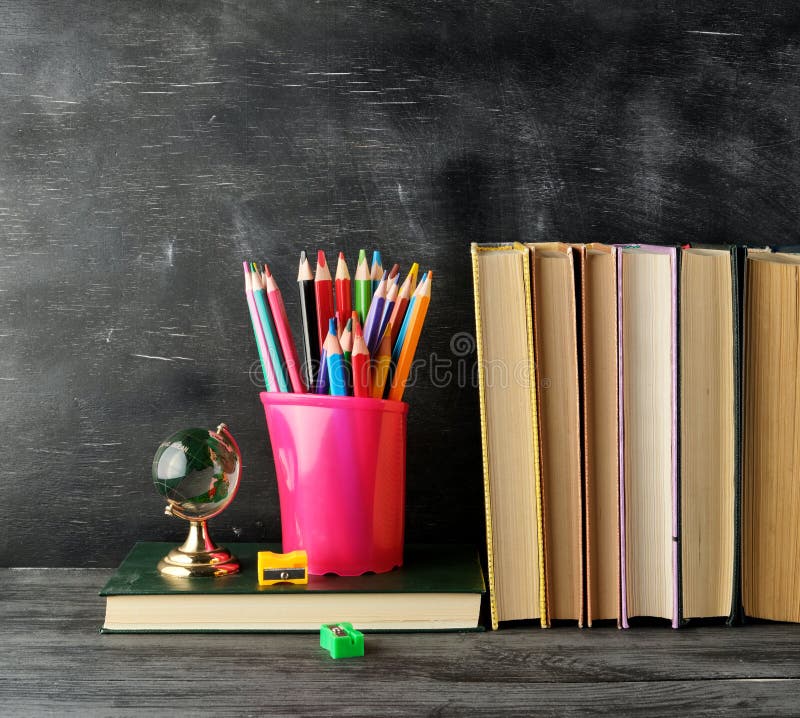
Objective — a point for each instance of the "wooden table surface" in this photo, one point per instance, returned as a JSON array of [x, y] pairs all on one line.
[[54, 662]]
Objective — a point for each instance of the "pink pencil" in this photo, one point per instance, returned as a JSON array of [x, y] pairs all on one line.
[[261, 341], [284, 332]]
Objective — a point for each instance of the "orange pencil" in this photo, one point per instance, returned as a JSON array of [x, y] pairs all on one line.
[[356, 323], [403, 298], [418, 311], [360, 362], [382, 361], [288, 347], [323, 291], [344, 300]]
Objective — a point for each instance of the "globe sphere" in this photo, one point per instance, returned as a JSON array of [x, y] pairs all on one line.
[[197, 471]]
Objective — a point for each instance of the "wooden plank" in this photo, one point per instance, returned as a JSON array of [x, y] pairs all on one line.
[[53, 656]]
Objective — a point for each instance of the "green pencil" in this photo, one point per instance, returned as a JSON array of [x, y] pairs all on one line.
[[363, 287]]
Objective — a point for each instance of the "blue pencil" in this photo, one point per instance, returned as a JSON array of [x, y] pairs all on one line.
[[398, 345], [337, 373]]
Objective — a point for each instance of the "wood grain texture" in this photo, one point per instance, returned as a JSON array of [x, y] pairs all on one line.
[[54, 662], [148, 147]]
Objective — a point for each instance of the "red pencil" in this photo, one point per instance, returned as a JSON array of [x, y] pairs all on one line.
[[275, 300], [323, 291], [361, 365], [344, 300]]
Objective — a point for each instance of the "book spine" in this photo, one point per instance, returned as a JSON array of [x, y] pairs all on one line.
[[543, 607], [623, 574], [484, 437]]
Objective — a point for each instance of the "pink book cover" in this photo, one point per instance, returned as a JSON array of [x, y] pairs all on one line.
[[672, 252]]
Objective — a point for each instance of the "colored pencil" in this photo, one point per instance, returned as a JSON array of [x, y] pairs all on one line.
[[288, 347], [372, 324], [403, 298], [323, 385], [414, 272], [344, 301], [388, 308], [270, 380], [308, 310], [346, 340], [323, 293], [270, 333], [418, 311], [361, 365], [335, 361], [398, 345], [363, 287], [377, 270], [394, 272], [382, 363]]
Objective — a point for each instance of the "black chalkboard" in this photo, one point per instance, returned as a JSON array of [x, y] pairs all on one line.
[[147, 147]]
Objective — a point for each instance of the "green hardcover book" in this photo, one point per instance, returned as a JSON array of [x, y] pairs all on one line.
[[438, 588]]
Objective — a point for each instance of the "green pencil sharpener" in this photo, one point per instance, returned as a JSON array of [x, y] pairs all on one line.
[[341, 640]]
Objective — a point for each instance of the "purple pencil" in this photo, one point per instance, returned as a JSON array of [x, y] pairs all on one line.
[[388, 308], [374, 319], [322, 378]]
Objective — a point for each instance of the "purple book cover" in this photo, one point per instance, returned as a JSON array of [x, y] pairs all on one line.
[[672, 252]]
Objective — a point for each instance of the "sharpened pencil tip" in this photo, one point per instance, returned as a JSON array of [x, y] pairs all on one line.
[[321, 258], [266, 270], [362, 256]]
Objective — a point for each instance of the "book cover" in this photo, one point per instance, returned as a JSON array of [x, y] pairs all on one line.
[[648, 421], [601, 431], [439, 587], [711, 429], [509, 432], [554, 279], [771, 416]]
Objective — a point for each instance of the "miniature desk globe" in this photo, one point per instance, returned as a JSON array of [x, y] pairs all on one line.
[[197, 471]]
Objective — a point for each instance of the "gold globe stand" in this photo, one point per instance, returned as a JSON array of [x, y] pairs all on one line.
[[198, 555]]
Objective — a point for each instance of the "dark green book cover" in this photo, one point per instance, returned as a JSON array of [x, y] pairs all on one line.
[[448, 574]]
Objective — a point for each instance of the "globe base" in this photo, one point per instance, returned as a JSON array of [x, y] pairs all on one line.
[[198, 556]]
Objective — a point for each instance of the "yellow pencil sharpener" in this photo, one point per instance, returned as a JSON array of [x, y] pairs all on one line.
[[289, 567]]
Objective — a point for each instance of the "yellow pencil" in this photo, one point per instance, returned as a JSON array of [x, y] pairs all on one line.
[[382, 361], [418, 311]]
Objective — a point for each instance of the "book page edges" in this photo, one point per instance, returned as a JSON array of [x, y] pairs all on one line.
[[476, 249]]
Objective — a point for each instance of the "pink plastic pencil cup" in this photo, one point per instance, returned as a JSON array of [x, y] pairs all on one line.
[[341, 468]]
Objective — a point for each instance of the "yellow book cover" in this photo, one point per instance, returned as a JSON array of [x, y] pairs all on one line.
[[509, 433]]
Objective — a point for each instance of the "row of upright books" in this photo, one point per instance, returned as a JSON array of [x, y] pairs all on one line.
[[640, 419]]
